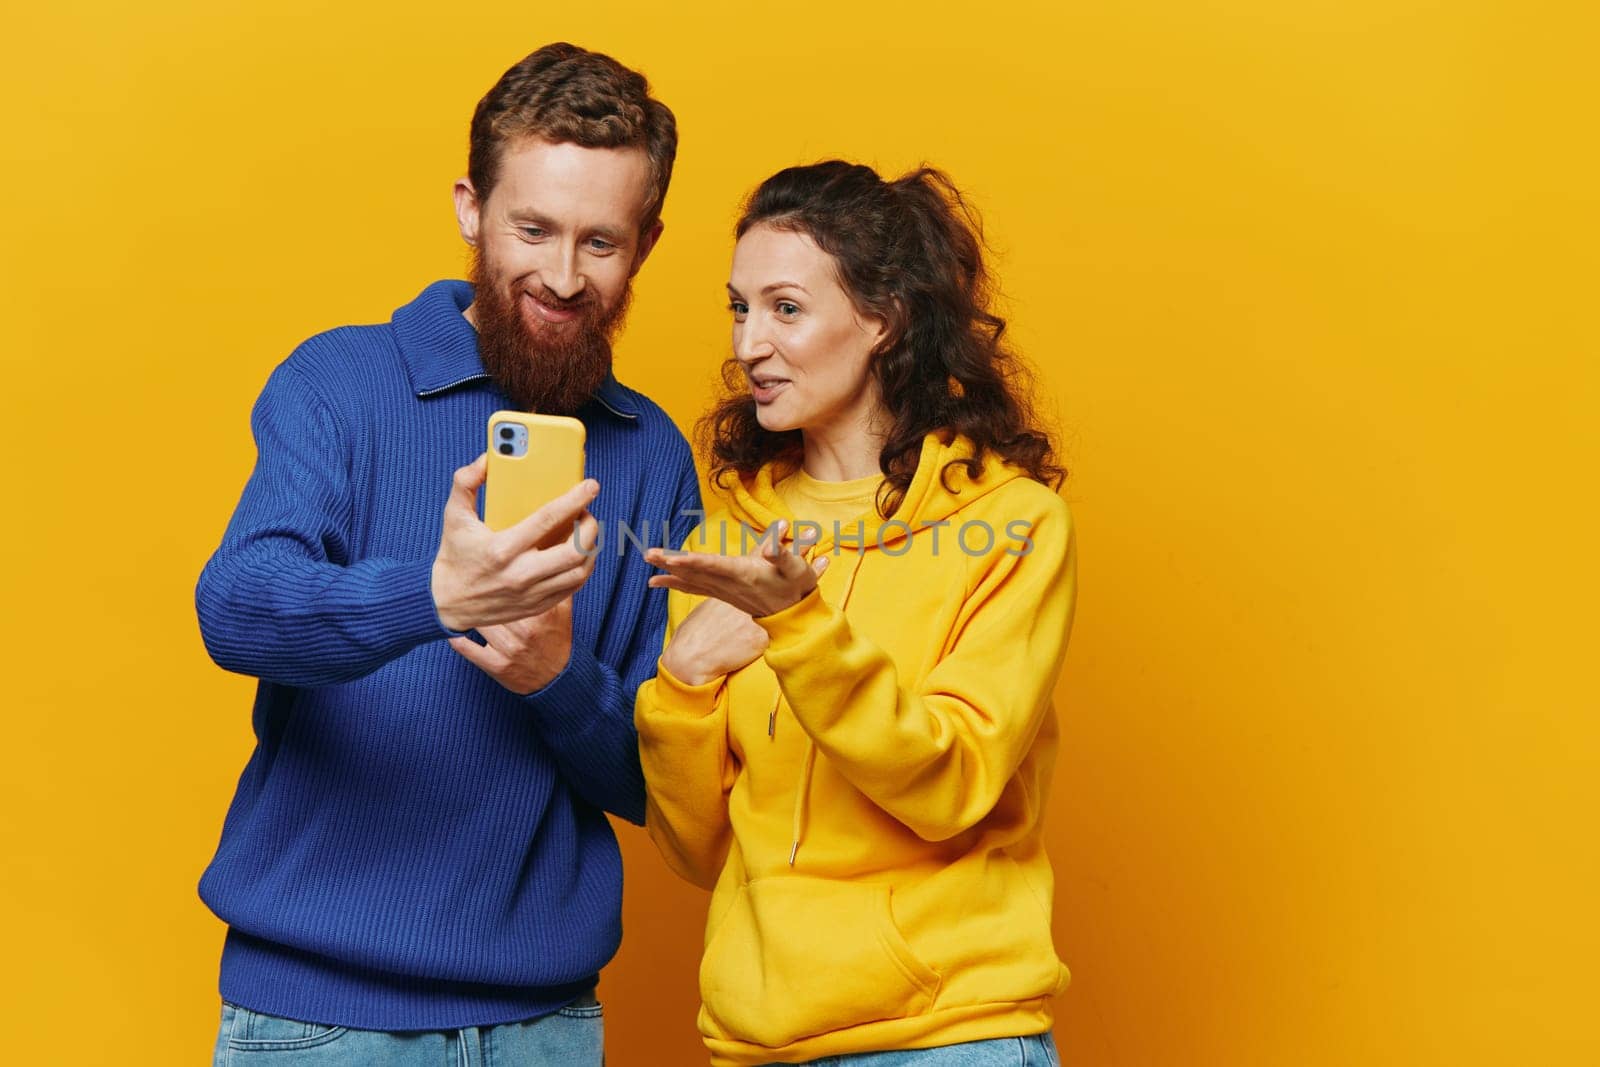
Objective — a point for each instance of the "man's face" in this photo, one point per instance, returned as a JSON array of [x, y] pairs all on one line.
[[556, 245]]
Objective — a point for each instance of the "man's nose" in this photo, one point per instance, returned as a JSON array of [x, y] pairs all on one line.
[[563, 277]]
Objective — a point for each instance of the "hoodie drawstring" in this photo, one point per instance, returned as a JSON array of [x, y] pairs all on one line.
[[801, 794], [808, 765]]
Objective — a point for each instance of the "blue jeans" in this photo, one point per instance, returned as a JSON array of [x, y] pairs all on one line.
[[1036, 1050], [572, 1037]]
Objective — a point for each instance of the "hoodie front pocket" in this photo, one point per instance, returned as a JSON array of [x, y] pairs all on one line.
[[797, 956]]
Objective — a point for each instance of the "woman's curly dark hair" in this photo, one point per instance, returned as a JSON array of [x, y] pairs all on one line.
[[909, 252]]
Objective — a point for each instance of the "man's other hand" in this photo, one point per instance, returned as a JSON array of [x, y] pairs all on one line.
[[526, 654]]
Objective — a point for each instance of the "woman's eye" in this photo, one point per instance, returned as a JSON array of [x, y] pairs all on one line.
[[738, 308], [786, 307]]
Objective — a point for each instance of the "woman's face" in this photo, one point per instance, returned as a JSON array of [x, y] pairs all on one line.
[[804, 347]]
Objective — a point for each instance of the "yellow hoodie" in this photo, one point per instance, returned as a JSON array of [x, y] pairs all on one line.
[[865, 799]]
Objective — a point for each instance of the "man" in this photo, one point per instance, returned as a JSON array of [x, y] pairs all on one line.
[[416, 866]]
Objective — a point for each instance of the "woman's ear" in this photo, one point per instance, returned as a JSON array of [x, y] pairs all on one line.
[[887, 329]]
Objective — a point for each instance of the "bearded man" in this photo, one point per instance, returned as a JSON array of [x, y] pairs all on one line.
[[417, 865]]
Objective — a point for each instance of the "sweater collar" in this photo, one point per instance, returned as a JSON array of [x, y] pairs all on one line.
[[440, 347]]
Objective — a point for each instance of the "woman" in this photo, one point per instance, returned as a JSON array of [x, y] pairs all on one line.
[[850, 736]]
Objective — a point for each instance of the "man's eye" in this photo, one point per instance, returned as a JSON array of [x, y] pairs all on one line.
[[600, 245], [532, 231]]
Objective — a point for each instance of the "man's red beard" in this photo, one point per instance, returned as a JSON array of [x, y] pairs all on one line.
[[547, 367]]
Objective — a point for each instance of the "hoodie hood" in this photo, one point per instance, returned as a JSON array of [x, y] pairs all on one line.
[[936, 492]]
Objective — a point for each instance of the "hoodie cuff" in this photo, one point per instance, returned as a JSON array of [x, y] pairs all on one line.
[[674, 696], [797, 621]]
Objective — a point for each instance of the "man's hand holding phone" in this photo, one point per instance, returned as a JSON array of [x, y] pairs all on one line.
[[484, 577]]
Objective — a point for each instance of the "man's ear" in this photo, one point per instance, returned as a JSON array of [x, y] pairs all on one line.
[[646, 244], [467, 210]]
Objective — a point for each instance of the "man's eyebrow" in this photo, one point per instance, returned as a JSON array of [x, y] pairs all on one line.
[[525, 215]]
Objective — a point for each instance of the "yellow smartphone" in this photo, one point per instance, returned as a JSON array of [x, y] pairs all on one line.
[[532, 460]]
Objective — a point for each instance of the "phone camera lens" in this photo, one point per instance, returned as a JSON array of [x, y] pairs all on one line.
[[506, 450], [507, 433]]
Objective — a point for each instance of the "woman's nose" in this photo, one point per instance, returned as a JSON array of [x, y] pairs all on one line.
[[750, 344]]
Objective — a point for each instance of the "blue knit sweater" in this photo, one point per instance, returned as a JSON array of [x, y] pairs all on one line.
[[411, 846]]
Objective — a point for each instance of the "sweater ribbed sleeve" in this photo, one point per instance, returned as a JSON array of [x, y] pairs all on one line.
[[278, 599]]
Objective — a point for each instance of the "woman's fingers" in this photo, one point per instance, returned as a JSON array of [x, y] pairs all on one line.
[[668, 581], [726, 568], [770, 546]]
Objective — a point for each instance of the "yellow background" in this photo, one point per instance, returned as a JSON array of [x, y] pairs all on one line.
[[1311, 285]]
